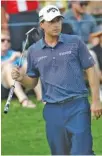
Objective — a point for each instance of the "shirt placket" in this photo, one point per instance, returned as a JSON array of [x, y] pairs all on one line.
[[53, 58]]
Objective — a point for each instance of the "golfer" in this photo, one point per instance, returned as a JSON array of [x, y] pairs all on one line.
[[59, 60]]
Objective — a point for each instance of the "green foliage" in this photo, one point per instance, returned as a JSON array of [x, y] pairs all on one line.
[[23, 131]]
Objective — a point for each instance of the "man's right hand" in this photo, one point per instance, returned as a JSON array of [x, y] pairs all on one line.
[[16, 74]]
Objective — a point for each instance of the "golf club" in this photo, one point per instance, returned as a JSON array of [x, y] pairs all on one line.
[[6, 107]]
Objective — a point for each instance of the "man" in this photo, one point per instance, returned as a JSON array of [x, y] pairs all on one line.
[[59, 61], [82, 23], [19, 14]]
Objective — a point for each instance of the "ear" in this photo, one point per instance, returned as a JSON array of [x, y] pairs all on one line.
[[42, 25]]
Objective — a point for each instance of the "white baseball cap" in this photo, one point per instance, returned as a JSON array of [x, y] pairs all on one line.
[[49, 12]]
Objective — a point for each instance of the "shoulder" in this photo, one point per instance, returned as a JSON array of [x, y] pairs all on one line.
[[70, 38], [89, 17], [35, 47], [68, 13], [10, 52]]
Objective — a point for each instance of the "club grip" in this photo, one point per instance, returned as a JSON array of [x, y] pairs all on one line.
[[9, 99]]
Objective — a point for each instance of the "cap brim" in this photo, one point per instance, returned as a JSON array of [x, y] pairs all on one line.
[[96, 34], [50, 19]]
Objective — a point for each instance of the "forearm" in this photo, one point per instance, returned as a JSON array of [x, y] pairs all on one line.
[[29, 82], [94, 83], [4, 20]]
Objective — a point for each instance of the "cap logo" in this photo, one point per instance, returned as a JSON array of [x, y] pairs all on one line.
[[52, 9]]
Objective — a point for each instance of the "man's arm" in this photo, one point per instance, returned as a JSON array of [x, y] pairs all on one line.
[[96, 107], [29, 82], [93, 82], [88, 64]]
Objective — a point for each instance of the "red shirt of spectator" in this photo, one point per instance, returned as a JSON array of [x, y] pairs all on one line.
[[16, 6]]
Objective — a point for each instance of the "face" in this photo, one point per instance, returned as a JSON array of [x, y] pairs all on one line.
[[5, 42], [79, 7], [95, 41], [52, 28]]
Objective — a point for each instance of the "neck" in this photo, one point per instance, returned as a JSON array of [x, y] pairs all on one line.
[[3, 53], [51, 40], [77, 14]]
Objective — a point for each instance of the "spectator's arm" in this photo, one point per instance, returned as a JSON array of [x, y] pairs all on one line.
[[4, 19]]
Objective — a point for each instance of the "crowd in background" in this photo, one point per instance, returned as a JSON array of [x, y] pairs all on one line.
[[17, 17]]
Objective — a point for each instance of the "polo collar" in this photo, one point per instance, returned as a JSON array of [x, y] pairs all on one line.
[[60, 40]]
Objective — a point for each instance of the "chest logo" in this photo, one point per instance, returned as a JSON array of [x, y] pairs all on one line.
[[65, 53], [41, 58]]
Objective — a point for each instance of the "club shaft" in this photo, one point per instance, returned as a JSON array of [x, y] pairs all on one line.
[[9, 99], [30, 31]]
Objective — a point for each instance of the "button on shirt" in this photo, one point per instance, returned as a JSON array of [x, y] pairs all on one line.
[[60, 68], [84, 27]]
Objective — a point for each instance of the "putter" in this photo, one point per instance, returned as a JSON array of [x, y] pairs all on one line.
[[6, 107]]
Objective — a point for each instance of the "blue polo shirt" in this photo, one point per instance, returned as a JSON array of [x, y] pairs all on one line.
[[84, 27], [60, 68]]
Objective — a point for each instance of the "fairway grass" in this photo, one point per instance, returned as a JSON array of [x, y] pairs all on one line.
[[23, 131]]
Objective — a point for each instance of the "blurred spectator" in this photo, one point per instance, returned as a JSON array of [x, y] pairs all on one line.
[[61, 4], [82, 23], [95, 8], [20, 13], [9, 58]]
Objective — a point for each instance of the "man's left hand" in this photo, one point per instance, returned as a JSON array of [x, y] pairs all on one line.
[[96, 109]]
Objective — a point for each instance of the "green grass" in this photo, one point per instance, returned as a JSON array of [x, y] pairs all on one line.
[[23, 131]]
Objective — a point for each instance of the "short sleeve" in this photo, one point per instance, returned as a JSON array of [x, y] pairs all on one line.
[[31, 67], [85, 57]]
